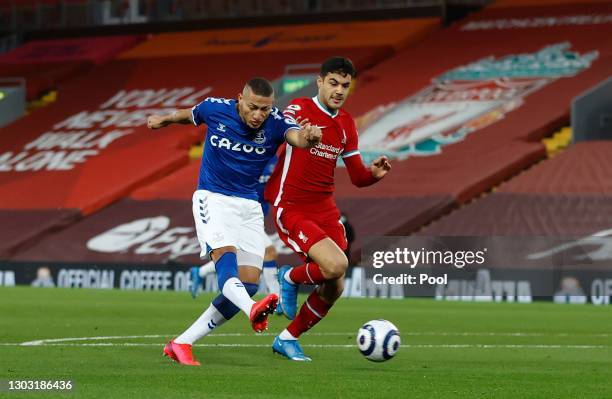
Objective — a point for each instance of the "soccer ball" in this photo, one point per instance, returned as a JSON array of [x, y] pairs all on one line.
[[378, 340]]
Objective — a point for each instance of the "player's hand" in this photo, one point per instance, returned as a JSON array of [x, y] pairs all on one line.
[[380, 167], [156, 122], [312, 134], [302, 122]]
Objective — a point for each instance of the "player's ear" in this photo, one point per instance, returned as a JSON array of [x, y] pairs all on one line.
[[319, 81]]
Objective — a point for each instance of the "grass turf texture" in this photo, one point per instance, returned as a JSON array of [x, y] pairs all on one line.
[[449, 350]]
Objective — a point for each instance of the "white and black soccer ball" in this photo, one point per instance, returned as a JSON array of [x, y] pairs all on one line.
[[378, 340]]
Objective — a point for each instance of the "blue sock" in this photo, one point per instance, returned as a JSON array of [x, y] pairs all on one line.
[[226, 307], [269, 263], [226, 267]]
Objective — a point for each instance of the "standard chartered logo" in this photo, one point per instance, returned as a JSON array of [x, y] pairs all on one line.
[[223, 142]]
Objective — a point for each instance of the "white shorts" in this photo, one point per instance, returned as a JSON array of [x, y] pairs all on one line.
[[222, 220], [267, 241]]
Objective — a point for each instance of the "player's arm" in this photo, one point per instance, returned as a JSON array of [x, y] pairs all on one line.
[[362, 176], [182, 116], [302, 134], [307, 136]]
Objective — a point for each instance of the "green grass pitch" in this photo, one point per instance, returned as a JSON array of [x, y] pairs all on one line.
[[449, 350]]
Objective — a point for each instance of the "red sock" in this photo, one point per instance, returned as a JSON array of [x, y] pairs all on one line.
[[308, 273], [311, 312]]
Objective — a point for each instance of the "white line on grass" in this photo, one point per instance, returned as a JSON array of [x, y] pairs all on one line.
[[106, 338], [324, 334], [335, 346]]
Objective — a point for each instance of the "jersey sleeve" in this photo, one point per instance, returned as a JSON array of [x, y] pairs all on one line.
[[201, 111], [294, 109], [351, 147], [283, 125]]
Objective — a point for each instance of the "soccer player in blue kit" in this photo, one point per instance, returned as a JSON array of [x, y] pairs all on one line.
[[242, 136], [269, 273]]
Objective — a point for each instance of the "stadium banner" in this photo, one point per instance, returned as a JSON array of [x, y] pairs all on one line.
[[22, 228], [92, 146], [48, 64], [472, 96], [498, 78], [393, 34], [486, 285], [43, 77], [514, 269], [93, 49], [161, 228], [169, 276], [134, 232]]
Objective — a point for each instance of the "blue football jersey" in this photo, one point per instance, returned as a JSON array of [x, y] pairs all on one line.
[[234, 154]]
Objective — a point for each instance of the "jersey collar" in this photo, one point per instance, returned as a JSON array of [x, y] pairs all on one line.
[[322, 108]]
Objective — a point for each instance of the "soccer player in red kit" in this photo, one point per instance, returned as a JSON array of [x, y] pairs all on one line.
[[301, 192]]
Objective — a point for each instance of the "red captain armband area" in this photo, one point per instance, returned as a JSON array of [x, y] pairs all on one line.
[[361, 176]]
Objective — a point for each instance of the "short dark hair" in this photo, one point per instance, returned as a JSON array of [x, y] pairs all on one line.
[[340, 65], [260, 86]]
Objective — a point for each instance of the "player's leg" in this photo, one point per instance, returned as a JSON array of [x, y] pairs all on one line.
[[220, 221], [197, 276], [323, 252], [318, 303], [254, 240], [226, 264], [320, 243], [307, 235], [314, 309], [316, 306], [206, 269], [219, 311], [328, 262], [270, 271], [298, 232]]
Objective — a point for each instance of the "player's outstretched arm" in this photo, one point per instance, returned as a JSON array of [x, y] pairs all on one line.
[[307, 136], [182, 116], [361, 176]]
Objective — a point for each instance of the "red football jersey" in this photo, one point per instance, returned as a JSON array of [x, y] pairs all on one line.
[[305, 176]]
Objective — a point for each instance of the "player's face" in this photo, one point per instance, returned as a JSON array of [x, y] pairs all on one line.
[[254, 109], [334, 89]]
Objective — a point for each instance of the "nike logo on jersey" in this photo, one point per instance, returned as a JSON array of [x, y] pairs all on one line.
[[302, 237], [223, 142]]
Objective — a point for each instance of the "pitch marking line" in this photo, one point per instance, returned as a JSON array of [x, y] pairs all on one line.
[[424, 346], [78, 341], [412, 334]]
